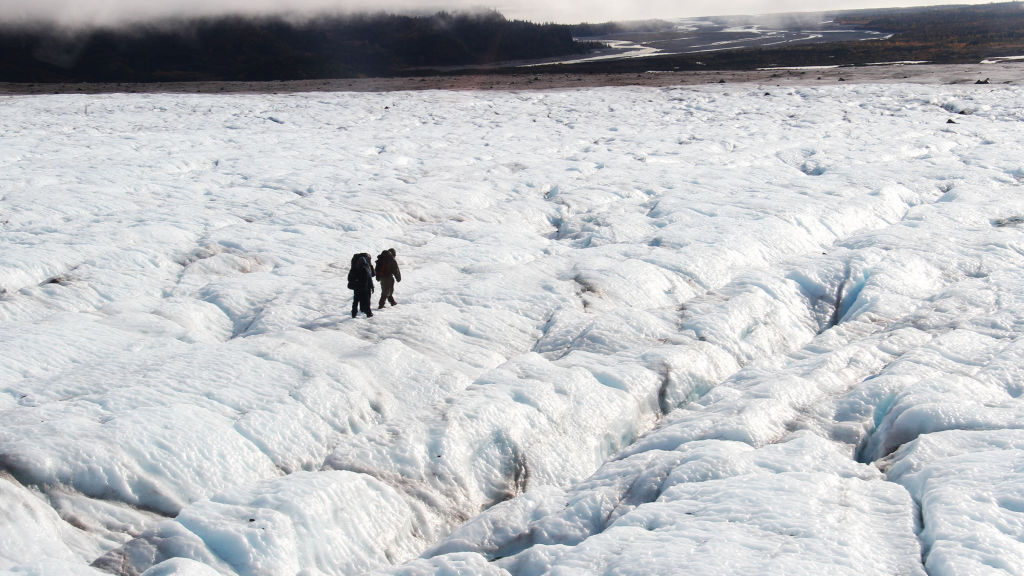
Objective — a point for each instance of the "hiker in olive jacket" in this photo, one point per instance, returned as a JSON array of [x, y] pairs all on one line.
[[387, 274]]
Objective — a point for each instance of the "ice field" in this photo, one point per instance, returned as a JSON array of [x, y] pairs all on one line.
[[725, 329]]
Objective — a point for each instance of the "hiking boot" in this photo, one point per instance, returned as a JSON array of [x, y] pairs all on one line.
[[353, 313], [369, 314]]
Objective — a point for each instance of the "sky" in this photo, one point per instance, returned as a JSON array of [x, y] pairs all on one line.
[[72, 12]]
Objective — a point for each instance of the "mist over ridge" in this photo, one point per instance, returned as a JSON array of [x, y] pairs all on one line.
[[92, 13], [274, 48]]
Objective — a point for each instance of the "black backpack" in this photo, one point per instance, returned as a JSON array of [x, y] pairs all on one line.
[[360, 276]]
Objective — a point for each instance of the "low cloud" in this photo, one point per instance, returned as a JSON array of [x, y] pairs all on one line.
[[111, 12]]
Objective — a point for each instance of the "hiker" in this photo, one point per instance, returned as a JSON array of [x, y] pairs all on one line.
[[387, 274], [360, 281]]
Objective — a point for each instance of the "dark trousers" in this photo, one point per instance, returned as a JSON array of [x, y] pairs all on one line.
[[387, 288], [361, 301]]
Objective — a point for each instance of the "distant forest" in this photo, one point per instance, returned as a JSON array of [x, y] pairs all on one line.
[[244, 48]]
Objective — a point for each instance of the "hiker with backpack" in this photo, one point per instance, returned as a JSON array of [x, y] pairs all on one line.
[[387, 274], [360, 281]]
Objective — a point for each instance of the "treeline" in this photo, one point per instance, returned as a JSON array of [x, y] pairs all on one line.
[[250, 49], [606, 29]]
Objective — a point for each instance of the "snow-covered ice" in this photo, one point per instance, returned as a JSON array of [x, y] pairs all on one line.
[[738, 329]]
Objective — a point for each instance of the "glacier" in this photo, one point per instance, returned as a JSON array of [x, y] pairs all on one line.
[[743, 329]]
